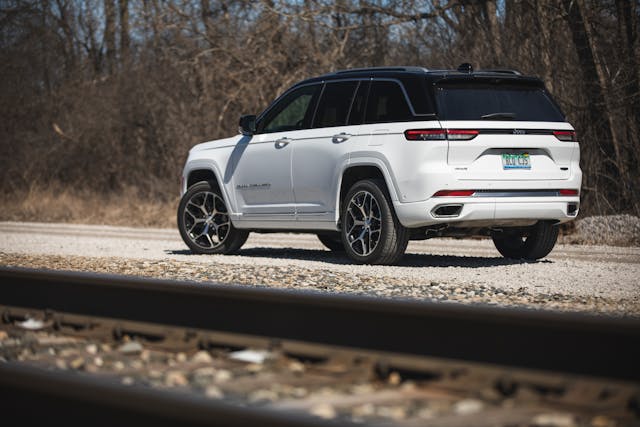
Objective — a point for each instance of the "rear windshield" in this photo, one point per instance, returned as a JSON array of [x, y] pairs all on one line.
[[477, 101]]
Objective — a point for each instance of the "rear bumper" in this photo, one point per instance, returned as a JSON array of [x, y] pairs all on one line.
[[475, 211]]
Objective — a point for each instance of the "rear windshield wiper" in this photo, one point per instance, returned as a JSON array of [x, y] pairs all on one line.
[[499, 116]]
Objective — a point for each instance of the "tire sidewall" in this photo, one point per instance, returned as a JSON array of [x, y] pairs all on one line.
[[332, 241], [202, 186], [540, 242]]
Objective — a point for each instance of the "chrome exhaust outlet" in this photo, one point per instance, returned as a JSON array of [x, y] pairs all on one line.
[[447, 211]]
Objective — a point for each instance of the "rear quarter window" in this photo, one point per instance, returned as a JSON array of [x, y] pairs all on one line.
[[472, 101], [387, 103]]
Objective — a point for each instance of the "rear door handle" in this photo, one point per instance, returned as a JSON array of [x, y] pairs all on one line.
[[341, 137], [282, 142]]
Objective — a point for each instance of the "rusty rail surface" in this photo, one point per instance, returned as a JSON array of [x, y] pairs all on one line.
[[566, 342]]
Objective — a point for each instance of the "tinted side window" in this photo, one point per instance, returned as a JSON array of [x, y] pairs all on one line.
[[356, 116], [419, 95], [387, 103], [292, 112], [334, 105]]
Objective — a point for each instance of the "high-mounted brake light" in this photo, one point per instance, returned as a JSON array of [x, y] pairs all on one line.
[[440, 134], [565, 135], [568, 192], [454, 193]]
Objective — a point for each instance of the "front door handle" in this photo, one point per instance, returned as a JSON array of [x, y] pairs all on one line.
[[282, 142], [341, 137]]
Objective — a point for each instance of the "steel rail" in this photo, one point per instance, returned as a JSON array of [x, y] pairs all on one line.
[[33, 396], [570, 343]]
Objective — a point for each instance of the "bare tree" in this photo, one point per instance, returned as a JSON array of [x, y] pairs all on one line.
[[110, 33], [123, 7], [136, 83]]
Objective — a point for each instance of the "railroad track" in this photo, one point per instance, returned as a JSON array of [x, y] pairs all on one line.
[[341, 358]]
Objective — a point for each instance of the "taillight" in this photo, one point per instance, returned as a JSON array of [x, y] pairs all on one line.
[[454, 193], [565, 135], [461, 134], [425, 134], [440, 134], [568, 192]]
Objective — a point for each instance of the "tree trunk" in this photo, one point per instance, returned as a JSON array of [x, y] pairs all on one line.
[[628, 41], [544, 37], [628, 36], [495, 38], [46, 76], [124, 30], [471, 32], [603, 79], [110, 34], [66, 22], [593, 83]]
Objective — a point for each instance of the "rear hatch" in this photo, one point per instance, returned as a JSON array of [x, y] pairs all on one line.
[[504, 129]]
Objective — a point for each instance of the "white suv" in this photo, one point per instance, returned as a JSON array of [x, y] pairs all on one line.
[[369, 159]]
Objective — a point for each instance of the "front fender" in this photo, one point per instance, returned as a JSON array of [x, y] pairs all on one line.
[[211, 165]]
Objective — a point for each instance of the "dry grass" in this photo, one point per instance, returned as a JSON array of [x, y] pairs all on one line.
[[127, 208], [133, 208]]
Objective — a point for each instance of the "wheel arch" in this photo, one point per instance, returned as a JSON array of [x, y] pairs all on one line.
[[366, 169], [197, 175], [202, 170]]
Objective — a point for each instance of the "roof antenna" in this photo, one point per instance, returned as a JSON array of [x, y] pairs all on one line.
[[465, 68]]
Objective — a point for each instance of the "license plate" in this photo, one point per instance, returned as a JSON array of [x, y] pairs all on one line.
[[516, 161]]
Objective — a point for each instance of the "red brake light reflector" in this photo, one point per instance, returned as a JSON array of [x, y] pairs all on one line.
[[568, 192], [565, 135], [454, 193]]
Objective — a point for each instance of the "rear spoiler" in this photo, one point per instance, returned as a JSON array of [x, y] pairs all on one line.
[[491, 78]]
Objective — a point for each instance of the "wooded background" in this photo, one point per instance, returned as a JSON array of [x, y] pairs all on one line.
[[106, 96]]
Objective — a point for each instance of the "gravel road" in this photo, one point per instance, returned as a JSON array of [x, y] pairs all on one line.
[[600, 279]]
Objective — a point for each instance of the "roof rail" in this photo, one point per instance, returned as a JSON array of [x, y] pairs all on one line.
[[500, 70], [364, 69]]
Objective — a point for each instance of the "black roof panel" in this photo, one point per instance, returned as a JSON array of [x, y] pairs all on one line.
[[413, 71]]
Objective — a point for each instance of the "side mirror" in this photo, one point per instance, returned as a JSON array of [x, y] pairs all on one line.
[[247, 125]]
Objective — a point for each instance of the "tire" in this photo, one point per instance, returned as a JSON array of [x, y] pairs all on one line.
[[332, 241], [371, 232], [531, 244], [204, 222]]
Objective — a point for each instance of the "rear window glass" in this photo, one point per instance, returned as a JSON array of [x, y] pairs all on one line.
[[497, 102]]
